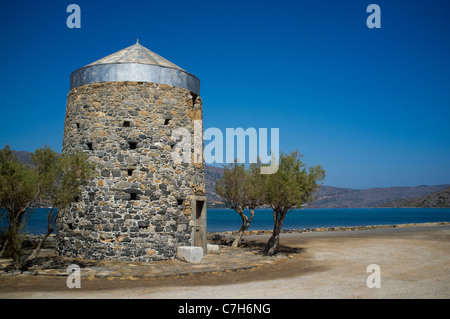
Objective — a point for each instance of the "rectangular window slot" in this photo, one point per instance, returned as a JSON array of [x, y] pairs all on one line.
[[166, 121], [132, 145], [180, 202], [130, 172], [89, 145], [133, 196], [126, 123], [78, 125]]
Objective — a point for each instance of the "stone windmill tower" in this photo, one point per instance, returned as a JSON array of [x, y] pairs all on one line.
[[141, 205]]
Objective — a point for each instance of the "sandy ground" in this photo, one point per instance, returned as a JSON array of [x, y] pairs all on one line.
[[414, 263]]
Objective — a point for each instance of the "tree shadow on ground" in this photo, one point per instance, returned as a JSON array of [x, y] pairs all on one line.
[[283, 250], [227, 240]]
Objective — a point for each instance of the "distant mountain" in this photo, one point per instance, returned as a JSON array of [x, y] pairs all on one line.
[[437, 199], [22, 156], [212, 174], [335, 197]]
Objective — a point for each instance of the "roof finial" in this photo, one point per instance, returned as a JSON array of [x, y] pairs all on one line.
[[137, 41]]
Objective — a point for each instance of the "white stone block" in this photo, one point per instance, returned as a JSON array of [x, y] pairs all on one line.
[[190, 254], [213, 249]]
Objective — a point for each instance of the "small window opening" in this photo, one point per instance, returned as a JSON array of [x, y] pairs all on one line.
[[132, 145], [78, 125], [126, 123], [143, 226], [194, 98], [89, 145], [166, 121], [133, 196], [180, 201], [130, 171]]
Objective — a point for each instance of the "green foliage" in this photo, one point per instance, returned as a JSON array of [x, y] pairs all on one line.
[[293, 184], [14, 250], [18, 187], [254, 185], [239, 188], [53, 177], [231, 187], [44, 160], [62, 176]]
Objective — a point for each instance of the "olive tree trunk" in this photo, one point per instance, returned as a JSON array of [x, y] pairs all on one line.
[[274, 240], [51, 219], [4, 247], [245, 225]]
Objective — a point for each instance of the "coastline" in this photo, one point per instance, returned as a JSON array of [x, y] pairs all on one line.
[[34, 238], [338, 228]]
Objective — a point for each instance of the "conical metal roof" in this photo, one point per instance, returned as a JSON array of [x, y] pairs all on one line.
[[136, 54], [135, 63]]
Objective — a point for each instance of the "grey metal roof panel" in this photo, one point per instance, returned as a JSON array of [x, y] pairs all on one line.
[[135, 63], [136, 54]]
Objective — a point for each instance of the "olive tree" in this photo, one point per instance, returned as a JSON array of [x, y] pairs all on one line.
[[51, 177], [18, 192], [238, 188], [61, 178], [291, 186]]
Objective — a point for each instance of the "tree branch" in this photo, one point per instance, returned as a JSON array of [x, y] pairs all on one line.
[[37, 250]]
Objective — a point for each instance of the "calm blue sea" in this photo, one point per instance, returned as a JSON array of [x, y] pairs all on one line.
[[226, 219], [229, 220]]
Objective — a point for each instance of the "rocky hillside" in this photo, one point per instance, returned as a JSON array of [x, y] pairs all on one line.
[[334, 197], [212, 174], [337, 197], [22, 156], [438, 199]]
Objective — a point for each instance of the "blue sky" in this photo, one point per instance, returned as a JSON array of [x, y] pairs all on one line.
[[371, 105]]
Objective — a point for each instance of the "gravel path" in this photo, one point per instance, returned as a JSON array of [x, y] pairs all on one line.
[[414, 263]]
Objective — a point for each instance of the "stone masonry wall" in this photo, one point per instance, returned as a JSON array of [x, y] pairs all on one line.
[[138, 206]]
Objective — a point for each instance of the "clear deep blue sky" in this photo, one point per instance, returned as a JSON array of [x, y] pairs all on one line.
[[371, 105]]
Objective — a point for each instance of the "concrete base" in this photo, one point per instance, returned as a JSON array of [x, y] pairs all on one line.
[[190, 254], [213, 249]]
